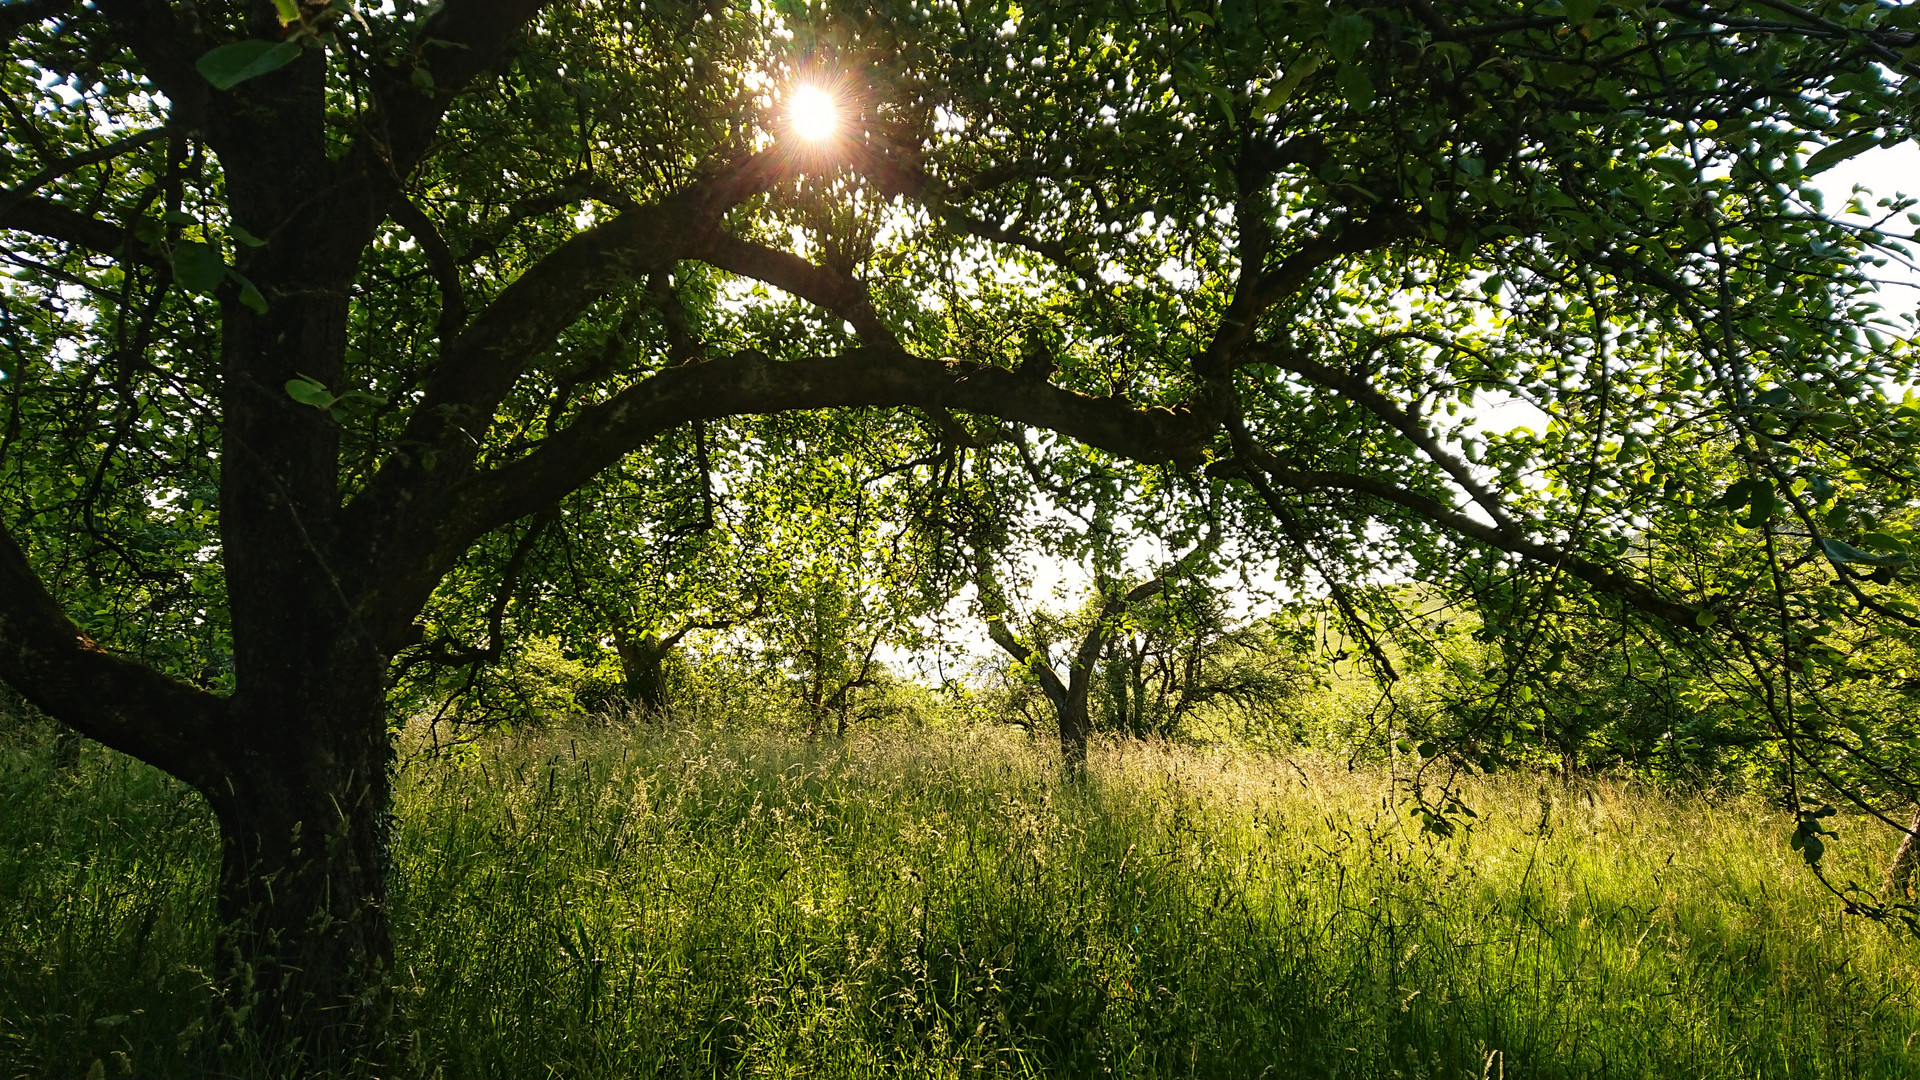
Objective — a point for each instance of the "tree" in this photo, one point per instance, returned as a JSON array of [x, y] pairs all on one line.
[[1069, 696], [1181, 656], [313, 304]]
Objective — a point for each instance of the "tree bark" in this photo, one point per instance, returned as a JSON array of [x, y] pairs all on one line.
[[1075, 723], [306, 946], [1900, 870]]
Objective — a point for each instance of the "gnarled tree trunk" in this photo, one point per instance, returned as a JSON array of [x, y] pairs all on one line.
[[643, 661]]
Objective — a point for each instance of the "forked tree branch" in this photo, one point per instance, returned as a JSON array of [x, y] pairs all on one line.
[[1362, 392], [1256, 292], [841, 294], [479, 369], [462, 40]]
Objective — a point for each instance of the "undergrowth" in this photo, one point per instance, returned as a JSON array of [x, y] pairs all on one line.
[[617, 902]]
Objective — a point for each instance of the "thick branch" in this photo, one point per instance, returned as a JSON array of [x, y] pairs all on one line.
[[1056, 253], [43, 217], [1256, 294], [1050, 683], [994, 599], [749, 383], [440, 260], [167, 39], [478, 369], [462, 40], [1116, 606], [125, 705]]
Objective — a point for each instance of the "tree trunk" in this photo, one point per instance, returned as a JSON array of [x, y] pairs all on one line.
[[1900, 870], [1075, 724], [643, 664], [306, 946]]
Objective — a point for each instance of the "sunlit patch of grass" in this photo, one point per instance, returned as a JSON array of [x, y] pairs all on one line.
[[621, 902]]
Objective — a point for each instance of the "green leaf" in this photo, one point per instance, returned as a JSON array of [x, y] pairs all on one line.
[[288, 10], [1810, 847], [1846, 553], [1355, 85], [1225, 100], [1754, 494], [1283, 91], [250, 295], [232, 64], [198, 267], [310, 391], [1581, 12], [1345, 35], [359, 402], [245, 237], [1834, 154]]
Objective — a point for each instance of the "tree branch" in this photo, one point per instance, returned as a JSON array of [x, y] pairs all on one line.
[[459, 42], [440, 260], [1255, 294], [994, 599], [478, 369], [45, 218], [749, 383], [58, 169], [842, 294], [167, 39], [1115, 606], [1407, 424], [1599, 577], [125, 705]]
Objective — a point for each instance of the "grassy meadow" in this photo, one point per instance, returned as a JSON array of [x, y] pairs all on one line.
[[593, 901]]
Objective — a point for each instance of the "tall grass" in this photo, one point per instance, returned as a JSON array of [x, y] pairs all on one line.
[[599, 902]]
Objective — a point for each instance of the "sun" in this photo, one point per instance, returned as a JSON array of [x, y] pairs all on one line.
[[813, 112]]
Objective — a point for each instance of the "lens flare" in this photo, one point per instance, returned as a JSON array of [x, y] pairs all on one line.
[[814, 114]]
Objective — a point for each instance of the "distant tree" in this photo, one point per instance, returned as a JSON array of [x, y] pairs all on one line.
[[1070, 695], [1181, 654]]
